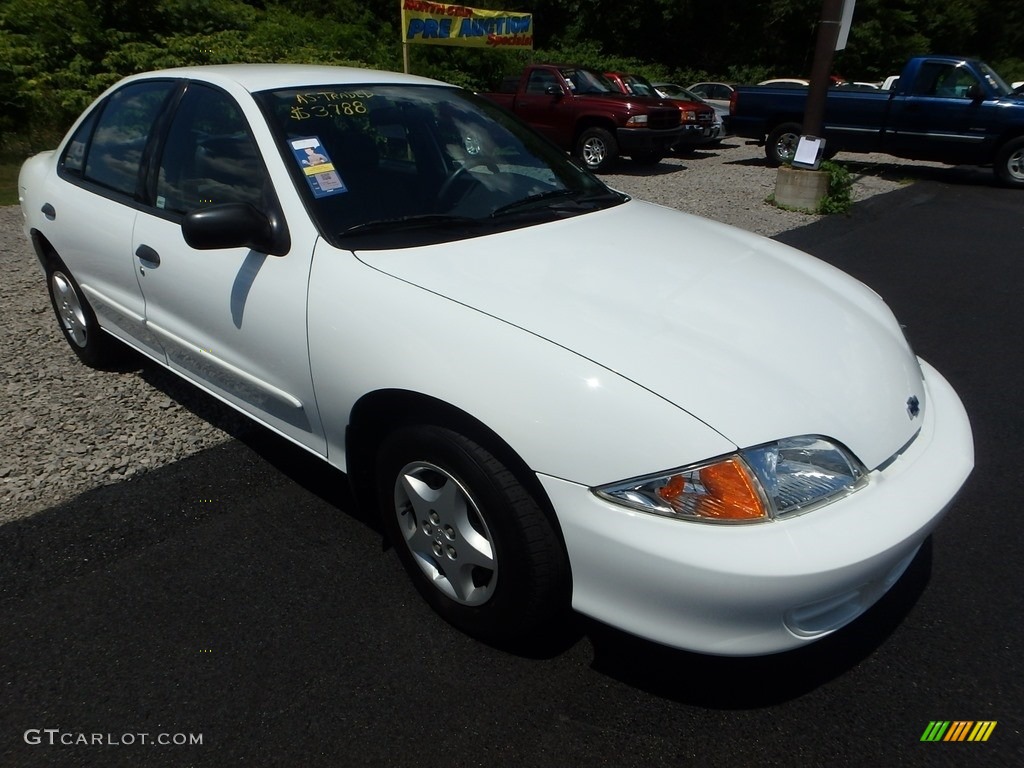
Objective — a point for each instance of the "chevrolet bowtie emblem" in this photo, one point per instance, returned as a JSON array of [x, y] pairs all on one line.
[[913, 406]]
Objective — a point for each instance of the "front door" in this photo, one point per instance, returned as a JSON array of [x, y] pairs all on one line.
[[232, 320], [939, 118]]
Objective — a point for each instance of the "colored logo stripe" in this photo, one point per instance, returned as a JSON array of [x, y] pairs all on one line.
[[958, 730], [935, 731], [982, 730]]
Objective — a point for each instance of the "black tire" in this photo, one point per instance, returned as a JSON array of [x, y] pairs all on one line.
[[76, 319], [597, 149], [780, 146], [1009, 163], [647, 158], [476, 544]]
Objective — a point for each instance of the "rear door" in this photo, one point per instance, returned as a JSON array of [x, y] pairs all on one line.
[[97, 207]]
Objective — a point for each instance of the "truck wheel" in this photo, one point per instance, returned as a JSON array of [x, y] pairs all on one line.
[[781, 144], [597, 149], [1009, 163]]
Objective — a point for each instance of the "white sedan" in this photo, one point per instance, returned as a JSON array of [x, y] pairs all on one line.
[[556, 396]]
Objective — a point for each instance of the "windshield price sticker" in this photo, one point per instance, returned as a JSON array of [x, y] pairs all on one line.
[[329, 104], [316, 165]]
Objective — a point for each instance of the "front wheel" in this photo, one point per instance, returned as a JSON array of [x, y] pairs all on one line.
[[1009, 163], [475, 542], [780, 147], [597, 149]]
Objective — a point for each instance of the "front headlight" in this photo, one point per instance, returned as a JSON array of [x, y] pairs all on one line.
[[637, 121], [775, 480]]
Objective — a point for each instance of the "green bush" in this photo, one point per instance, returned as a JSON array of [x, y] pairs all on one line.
[[840, 189]]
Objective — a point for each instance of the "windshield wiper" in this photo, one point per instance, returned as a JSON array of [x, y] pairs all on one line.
[[575, 198], [405, 223]]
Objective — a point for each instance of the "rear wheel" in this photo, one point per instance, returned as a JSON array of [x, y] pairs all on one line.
[[77, 320], [1009, 163], [475, 542], [597, 149], [780, 147]]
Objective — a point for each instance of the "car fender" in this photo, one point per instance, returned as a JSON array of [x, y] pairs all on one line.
[[564, 415]]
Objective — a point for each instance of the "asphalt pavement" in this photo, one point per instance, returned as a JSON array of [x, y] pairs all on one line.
[[240, 606]]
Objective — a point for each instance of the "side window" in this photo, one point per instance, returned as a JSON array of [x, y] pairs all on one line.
[[73, 160], [928, 78], [944, 80], [113, 157], [539, 80], [210, 156]]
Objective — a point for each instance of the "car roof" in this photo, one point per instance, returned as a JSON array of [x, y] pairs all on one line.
[[262, 77]]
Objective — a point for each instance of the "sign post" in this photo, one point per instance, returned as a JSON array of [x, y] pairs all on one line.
[[805, 189]]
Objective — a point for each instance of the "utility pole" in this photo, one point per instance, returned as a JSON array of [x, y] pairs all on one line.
[[805, 189], [828, 35]]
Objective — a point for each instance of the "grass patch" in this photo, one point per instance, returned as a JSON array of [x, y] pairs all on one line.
[[9, 168]]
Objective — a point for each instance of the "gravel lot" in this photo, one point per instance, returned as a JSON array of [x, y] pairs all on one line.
[[65, 428]]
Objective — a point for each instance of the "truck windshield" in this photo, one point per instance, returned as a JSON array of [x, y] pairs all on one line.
[[995, 81], [638, 86], [586, 81], [389, 165]]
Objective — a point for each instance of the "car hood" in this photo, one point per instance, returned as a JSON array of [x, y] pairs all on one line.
[[754, 338], [614, 100]]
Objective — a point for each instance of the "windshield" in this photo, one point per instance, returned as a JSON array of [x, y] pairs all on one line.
[[679, 93], [640, 87], [586, 81], [995, 81], [384, 166]]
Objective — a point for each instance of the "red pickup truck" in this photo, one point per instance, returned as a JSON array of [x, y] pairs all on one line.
[[582, 112], [698, 119]]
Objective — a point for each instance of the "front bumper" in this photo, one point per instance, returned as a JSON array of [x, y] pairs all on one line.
[[647, 141], [694, 134], [764, 588]]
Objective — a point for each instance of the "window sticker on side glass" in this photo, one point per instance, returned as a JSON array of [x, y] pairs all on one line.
[[311, 156]]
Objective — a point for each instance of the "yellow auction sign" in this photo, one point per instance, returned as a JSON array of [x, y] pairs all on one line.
[[440, 24]]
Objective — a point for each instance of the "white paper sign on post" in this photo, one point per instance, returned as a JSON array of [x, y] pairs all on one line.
[[808, 152]]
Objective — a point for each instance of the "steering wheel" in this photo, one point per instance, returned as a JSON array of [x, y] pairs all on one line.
[[473, 162]]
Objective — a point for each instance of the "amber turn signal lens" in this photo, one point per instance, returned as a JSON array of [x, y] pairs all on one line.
[[730, 493]]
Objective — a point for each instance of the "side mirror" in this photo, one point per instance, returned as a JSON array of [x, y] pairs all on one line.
[[236, 225], [975, 93], [553, 90]]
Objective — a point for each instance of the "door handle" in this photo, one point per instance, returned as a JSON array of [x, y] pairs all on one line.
[[148, 255], [49, 211]]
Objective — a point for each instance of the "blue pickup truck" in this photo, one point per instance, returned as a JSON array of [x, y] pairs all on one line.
[[943, 108]]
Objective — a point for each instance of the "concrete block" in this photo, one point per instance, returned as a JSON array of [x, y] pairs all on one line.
[[798, 188]]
